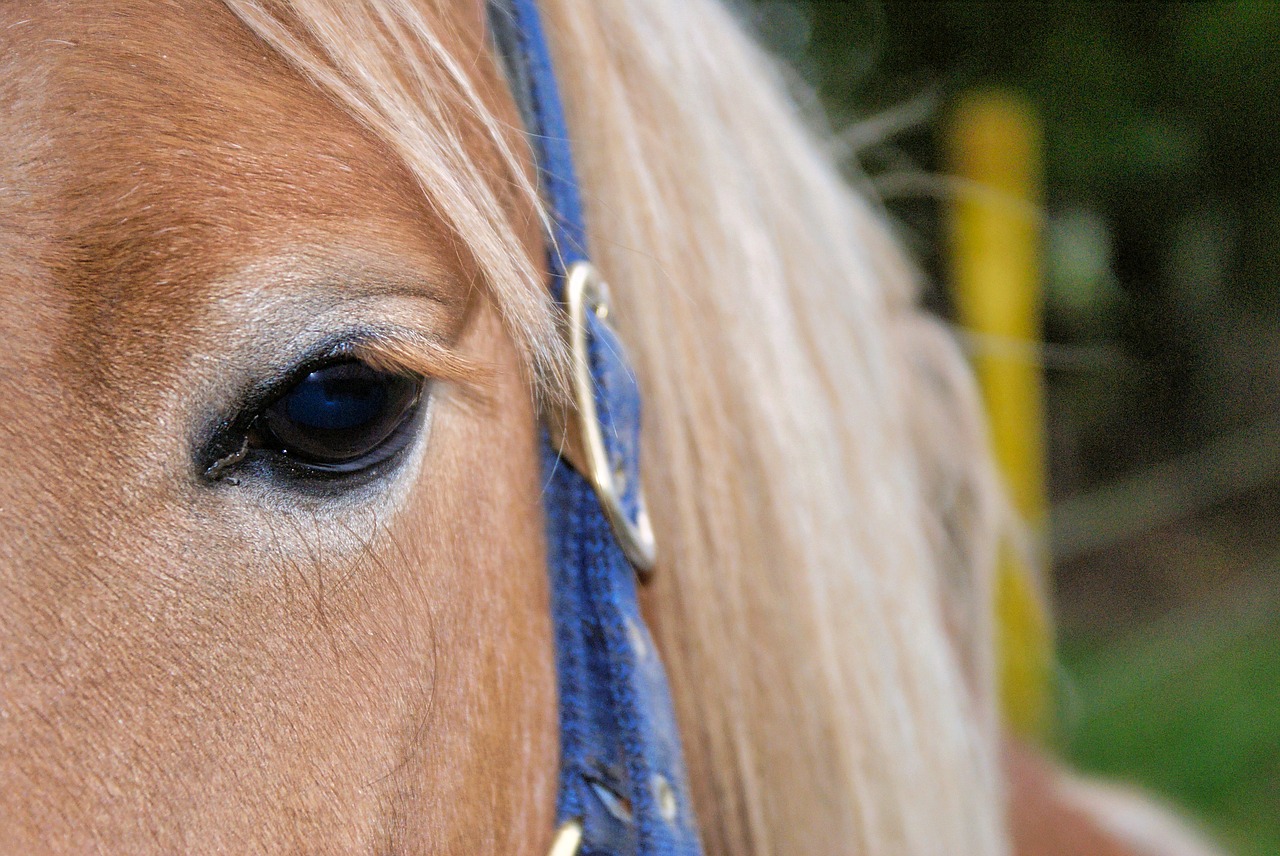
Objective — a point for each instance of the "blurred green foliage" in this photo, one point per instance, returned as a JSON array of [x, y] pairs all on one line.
[[1190, 708], [1162, 189], [1162, 324]]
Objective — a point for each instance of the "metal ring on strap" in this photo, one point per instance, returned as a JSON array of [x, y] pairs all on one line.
[[586, 291], [617, 725]]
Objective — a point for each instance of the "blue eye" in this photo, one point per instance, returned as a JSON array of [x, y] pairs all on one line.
[[343, 417]]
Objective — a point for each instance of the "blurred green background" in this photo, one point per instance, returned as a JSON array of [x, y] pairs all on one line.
[[1162, 345]]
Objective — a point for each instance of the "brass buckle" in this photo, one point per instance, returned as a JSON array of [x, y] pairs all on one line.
[[578, 436]]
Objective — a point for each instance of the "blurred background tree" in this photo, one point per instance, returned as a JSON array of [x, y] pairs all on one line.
[[1162, 344]]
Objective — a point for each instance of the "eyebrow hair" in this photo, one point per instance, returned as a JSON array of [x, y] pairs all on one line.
[[374, 273], [338, 282], [399, 346]]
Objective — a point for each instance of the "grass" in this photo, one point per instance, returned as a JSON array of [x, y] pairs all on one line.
[[1189, 709]]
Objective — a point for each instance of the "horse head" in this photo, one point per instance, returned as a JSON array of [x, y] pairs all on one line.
[[279, 351], [273, 568]]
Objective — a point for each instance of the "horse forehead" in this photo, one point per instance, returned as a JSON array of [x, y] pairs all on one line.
[[173, 147]]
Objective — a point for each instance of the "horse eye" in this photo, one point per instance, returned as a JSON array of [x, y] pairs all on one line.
[[340, 418]]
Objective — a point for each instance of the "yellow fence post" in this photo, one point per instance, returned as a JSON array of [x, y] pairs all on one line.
[[994, 144]]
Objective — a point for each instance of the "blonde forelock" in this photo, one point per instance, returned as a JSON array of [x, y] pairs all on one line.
[[819, 480]]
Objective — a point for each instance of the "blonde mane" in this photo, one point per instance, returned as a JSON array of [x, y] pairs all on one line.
[[814, 458]]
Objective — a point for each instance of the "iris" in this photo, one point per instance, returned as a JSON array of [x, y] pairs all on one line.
[[340, 415]]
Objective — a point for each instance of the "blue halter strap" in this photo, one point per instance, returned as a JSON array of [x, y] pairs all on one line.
[[623, 790]]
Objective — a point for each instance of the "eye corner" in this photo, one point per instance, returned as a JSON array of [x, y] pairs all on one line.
[[219, 468], [224, 447]]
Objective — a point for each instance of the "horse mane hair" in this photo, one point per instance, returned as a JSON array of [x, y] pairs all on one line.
[[815, 459]]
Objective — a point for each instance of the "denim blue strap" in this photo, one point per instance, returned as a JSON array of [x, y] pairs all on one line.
[[621, 769]]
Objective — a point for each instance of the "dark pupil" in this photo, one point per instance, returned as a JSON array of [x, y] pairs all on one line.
[[340, 412]]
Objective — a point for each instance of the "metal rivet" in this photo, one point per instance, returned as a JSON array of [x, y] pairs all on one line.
[[636, 637], [666, 797], [600, 299]]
